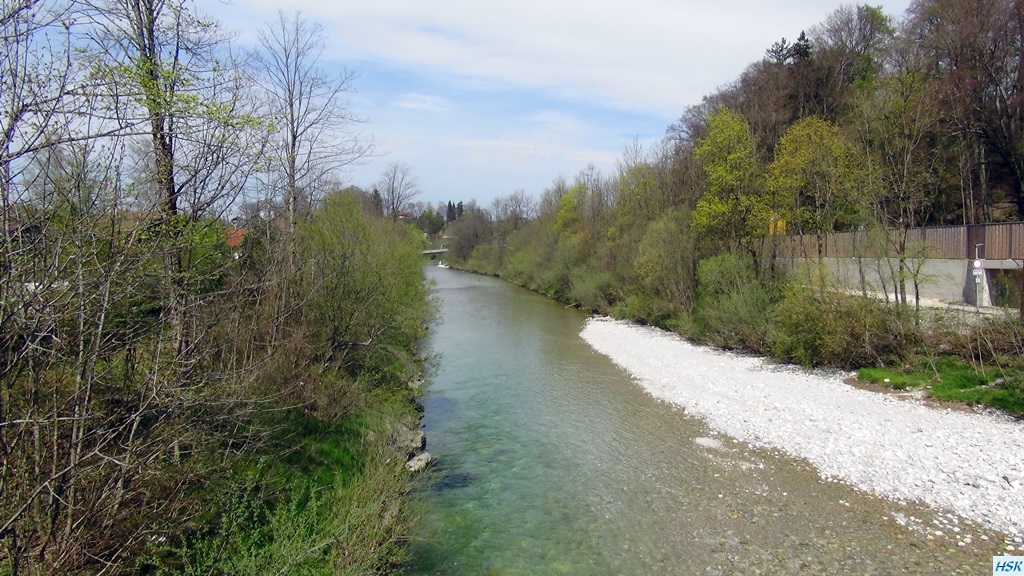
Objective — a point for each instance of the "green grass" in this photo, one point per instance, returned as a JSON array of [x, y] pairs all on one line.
[[322, 451], [955, 380], [322, 497]]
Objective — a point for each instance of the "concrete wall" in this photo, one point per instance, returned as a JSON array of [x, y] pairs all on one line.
[[945, 280]]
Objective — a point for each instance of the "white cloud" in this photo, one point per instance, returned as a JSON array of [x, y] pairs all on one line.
[[519, 149], [414, 101], [481, 98], [646, 54]]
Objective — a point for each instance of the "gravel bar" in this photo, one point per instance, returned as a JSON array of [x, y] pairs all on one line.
[[971, 464]]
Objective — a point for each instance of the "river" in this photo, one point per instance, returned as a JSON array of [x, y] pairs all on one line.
[[551, 460]]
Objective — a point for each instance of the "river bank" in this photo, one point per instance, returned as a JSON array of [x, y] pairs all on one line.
[[969, 464]]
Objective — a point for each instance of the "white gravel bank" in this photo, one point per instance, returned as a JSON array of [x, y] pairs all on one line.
[[970, 464]]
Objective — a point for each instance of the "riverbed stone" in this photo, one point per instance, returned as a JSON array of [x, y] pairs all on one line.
[[417, 440], [409, 440], [419, 462]]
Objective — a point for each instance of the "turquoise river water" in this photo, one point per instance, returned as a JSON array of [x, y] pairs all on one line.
[[550, 460]]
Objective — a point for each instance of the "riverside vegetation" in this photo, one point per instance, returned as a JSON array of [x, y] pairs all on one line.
[[267, 443], [864, 124], [181, 392]]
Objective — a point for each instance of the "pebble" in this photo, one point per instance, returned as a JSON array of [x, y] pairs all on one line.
[[967, 463]]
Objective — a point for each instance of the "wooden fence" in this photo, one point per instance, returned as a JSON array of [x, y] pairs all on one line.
[[993, 241]]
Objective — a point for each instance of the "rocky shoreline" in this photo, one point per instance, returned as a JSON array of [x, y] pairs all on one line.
[[409, 438], [970, 464]]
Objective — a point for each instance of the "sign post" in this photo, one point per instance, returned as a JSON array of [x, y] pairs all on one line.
[[978, 269]]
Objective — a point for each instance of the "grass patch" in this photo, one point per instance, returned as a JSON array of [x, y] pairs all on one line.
[[322, 451], [323, 498], [952, 379], [892, 377]]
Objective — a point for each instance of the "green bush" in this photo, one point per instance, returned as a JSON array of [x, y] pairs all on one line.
[[642, 307], [734, 308], [663, 264], [835, 329], [486, 259], [590, 288], [369, 311], [522, 268], [553, 279]]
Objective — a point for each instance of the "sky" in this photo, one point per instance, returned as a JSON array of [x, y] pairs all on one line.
[[480, 99]]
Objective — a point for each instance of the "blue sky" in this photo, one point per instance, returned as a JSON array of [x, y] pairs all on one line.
[[480, 99]]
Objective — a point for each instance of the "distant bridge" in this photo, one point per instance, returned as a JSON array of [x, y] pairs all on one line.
[[435, 252]]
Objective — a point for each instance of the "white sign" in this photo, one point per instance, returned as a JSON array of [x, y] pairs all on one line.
[[978, 264]]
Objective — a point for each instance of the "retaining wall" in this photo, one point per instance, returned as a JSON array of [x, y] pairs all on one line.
[[943, 279]]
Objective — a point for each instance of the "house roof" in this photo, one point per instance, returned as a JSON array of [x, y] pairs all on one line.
[[234, 237]]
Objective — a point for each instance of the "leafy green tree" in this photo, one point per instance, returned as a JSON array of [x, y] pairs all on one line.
[[733, 208], [430, 221], [639, 195], [813, 181], [573, 229]]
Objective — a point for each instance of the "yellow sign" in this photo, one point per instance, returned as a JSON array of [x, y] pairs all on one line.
[[777, 226]]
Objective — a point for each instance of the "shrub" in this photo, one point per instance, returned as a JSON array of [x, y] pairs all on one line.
[[734, 308], [663, 265], [642, 307], [486, 259], [835, 329], [368, 313], [994, 338], [590, 287]]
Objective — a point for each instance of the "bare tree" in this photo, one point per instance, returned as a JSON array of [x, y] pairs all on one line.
[[552, 196], [976, 48], [82, 446], [159, 60], [515, 209], [37, 77], [397, 187], [315, 121]]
